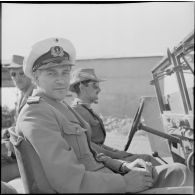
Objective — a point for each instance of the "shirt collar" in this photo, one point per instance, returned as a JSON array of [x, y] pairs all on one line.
[[81, 102]]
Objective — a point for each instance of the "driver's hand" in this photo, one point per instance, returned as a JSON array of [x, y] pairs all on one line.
[[141, 164], [127, 166], [138, 179]]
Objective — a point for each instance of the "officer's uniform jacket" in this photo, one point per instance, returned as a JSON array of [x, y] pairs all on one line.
[[98, 132], [61, 139]]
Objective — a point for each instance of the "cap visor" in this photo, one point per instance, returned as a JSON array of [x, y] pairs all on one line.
[[54, 65]]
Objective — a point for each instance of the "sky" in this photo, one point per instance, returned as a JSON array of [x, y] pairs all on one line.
[[96, 30]]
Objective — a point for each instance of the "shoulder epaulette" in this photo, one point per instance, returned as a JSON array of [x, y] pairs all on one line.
[[33, 100]]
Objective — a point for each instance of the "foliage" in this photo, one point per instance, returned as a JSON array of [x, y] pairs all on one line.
[[121, 125], [7, 117]]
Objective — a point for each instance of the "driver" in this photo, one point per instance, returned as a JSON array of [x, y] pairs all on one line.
[[85, 84]]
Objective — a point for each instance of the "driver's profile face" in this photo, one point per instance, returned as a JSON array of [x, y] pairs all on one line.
[[92, 90]]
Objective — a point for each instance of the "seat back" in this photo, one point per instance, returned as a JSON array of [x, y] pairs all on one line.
[[30, 167]]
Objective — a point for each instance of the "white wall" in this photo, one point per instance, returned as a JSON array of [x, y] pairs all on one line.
[[127, 80]]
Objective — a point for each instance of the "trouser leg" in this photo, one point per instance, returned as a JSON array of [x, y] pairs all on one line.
[[173, 175], [7, 188], [9, 171]]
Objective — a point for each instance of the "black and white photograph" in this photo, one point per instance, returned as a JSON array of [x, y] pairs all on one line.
[[97, 97]]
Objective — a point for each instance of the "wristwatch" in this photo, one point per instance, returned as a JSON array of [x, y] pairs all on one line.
[[123, 169]]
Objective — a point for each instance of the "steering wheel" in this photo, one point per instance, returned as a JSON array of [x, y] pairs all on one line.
[[190, 162], [135, 124]]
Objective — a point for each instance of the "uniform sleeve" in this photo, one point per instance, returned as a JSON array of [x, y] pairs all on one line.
[[41, 126], [108, 151], [113, 164]]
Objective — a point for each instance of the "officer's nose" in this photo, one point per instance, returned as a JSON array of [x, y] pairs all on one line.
[[61, 80]]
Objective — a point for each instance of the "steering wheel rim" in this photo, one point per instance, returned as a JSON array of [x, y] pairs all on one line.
[[190, 161], [135, 124]]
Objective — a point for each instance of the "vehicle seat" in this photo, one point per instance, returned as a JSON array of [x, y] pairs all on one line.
[[170, 190], [7, 188], [30, 167]]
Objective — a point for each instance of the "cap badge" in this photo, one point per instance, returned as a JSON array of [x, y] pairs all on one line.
[[57, 51]]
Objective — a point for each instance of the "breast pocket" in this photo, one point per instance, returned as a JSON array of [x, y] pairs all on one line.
[[76, 137]]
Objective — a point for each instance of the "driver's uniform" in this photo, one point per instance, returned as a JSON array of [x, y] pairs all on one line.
[[98, 135]]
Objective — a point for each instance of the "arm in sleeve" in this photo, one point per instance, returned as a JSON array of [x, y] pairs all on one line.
[[106, 150], [113, 164], [41, 126]]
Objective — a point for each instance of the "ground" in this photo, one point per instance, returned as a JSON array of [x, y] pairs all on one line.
[[139, 144], [117, 135]]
